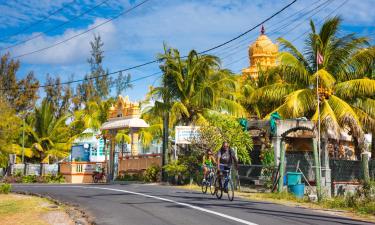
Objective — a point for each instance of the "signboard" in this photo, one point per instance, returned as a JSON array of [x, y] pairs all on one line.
[[184, 134]]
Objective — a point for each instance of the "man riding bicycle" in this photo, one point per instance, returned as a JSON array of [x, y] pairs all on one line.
[[208, 163], [225, 158]]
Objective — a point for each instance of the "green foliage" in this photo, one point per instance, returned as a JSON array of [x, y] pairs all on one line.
[[130, 177], [268, 162], [35, 179], [5, 188], [152, 174], [362, 200], [222, 128], [21, 94], [175, 168], [344, 76], [9, 132]]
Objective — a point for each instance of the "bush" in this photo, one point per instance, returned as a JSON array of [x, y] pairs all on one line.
[[29, 179], [175, 171], [152, 174], [5, 188], [130, 177], [35, 179]]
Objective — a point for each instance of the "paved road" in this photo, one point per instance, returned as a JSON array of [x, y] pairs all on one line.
[[137, 204]]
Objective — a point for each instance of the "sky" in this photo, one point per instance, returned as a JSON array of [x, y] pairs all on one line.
[[136, 37]]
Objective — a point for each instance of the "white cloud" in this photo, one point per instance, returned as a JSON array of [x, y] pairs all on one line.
[[71, 52]]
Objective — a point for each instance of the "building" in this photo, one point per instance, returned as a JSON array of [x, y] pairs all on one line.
[[262, 55]]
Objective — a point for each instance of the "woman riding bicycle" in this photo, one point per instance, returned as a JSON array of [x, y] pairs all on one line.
[[208, 163]]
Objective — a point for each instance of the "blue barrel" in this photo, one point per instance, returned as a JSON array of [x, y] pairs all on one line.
[[293, 178], [297, 190]]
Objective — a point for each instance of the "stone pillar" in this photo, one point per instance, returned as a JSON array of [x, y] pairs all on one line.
[[134, 141], [365, 169], [276, 142], [326, 171], [282, 167]]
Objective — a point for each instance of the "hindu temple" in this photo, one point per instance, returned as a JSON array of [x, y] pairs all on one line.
[[262, 55]]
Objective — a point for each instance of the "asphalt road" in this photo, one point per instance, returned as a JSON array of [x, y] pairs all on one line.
[[141, 204]]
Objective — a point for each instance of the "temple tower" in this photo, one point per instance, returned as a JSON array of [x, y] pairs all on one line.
[[262, 55]]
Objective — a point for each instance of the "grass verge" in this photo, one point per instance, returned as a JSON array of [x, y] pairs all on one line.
[[18, 209], [334, 206]]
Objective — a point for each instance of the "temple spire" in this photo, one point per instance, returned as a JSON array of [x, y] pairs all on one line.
[[262, 31]]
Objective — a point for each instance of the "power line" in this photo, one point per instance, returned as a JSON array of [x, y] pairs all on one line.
[[56, 27], [300, 36], [84, 32], [274, 31], [158, 60], [37, 22], [244, 33], [269, 26]]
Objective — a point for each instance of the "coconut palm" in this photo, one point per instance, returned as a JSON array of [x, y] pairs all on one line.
[[50, 136], [92, 115], [193, 87], [346, 93]]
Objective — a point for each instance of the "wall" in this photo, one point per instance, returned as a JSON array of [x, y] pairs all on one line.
[[141, 162]]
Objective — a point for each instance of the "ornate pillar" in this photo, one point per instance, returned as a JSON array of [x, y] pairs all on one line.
[[326, 171], [134, 141]]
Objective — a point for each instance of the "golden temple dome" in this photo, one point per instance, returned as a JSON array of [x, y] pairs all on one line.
[[262, 53]]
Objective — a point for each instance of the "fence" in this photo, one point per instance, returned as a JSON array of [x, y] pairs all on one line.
[[34, 169]]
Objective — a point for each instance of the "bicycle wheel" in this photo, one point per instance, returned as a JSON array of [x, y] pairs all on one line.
[[204, 187], [230, 190], [218, 189], [212, 185]]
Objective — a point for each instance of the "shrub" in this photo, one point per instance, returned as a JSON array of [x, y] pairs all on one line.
[[5, 188], [152, 174], [29, 179]]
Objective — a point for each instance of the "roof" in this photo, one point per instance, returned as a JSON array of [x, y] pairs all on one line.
[[121, 123]]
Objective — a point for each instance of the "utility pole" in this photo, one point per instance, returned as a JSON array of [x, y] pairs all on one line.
[[23, 139]]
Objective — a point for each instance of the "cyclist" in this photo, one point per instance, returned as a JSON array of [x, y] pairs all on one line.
[[208, 163], [225, 158]]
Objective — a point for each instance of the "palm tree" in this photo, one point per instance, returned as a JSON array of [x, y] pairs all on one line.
[[193, 87], [93, 115], [50, 136], [346, 93]]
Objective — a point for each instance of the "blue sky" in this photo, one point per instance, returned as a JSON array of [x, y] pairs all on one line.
[[138, 37]]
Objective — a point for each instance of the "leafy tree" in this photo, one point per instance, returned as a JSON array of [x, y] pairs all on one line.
[[20, 94], [122, 83], [9, 132], [102, 81], [59, 95], [222, 128]]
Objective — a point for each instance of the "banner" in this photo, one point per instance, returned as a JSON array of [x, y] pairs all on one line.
[[184, 134]]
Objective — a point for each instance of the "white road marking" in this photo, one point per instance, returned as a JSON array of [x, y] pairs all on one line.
[[162, 199]]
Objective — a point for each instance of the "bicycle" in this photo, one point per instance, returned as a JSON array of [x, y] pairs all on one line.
[[224, 183], [99, 176], [209, 182]]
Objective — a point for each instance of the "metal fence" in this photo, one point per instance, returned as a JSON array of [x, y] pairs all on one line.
[[346, 170], [34, 169]]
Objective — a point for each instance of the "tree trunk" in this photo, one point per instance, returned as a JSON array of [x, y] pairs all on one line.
[[373, 144], [165, 144]]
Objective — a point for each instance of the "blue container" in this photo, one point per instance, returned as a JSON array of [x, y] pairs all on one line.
[[298, 190], [293, 178]]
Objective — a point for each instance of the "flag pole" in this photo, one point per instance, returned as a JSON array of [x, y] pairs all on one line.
[[318, 101]]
